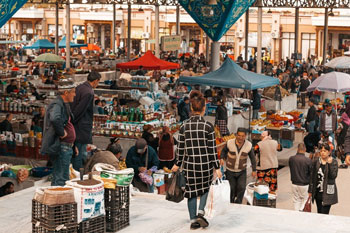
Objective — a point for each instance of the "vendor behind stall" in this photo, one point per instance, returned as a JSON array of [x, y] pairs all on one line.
[[148, 136], [12, 87], [5, 125]]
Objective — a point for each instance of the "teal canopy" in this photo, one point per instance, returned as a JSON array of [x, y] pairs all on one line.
[[62, 44], [231, 75], [41, 44]]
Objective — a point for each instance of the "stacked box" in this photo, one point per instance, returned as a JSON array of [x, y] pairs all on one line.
[[275, 134], [50, 218], [117, 204], [287, 134], [93, 225]]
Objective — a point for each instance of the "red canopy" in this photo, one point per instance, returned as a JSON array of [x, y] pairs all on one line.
[[149, 62]]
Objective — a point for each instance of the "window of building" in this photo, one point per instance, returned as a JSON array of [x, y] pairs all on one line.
[[52, 30], [287, 44], [308, 44]]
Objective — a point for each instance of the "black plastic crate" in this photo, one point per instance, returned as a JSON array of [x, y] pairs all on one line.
[[37, 228], [264, 202], [51, 216], [275, 134], [93, 225], [117, 198], [288, 134], [117, 205]]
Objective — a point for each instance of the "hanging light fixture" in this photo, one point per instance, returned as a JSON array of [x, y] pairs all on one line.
[[331, 13], [120, 8], [212, 2], [140, 9], [269, 11]]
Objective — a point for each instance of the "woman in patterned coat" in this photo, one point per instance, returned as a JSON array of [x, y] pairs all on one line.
[[196, 153]]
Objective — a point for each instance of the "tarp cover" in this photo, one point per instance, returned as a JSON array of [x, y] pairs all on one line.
[[8, 8], [149, 62], [41, 44], [231, 75], [62, 44]]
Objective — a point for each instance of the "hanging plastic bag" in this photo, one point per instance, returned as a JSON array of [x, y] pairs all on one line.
[[175, 193], [218, 198], [307, 207]]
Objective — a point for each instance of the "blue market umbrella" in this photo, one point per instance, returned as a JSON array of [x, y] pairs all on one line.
[[62, 44]]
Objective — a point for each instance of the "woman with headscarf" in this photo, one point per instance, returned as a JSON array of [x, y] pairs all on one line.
[[267, 162]]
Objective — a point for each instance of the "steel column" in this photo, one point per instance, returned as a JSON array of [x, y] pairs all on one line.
[[56, 25], [128, 42], [215, 56], [113, 29], [156, 37], [67, 35], [246, 35], [325, 37], [296, 32], [258, 58]]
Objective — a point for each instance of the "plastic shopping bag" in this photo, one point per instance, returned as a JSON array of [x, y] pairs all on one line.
[[175, 192], [218, 198]]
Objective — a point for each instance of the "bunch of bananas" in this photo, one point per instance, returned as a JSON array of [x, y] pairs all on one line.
[[122, 165], [229, 137]]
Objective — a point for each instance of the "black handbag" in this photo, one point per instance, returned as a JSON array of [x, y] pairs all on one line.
[[175, 192]]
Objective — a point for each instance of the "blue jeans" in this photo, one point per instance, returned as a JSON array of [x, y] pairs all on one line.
[[60, 173], [311, 126], [255, 114], [192, 205], [81, 158]]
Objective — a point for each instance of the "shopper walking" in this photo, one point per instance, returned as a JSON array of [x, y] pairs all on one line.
[[304, 84], [83, 111], [196, 153], [323, 188], [235, 154], [267, 162], [341, 134], [328, 121], [311, 117], [300, 169], [59, 135], [221, 117]]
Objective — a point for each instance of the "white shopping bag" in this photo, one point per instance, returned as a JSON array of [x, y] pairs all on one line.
[[218, 198]]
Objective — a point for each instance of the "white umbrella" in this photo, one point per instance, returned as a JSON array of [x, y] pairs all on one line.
[[339, 63], [336, 82], [331, 82]]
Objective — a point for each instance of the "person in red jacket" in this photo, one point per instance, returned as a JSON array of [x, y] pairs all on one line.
[[166, 149]]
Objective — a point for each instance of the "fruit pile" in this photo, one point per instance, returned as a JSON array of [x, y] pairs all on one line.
[[221, 140]]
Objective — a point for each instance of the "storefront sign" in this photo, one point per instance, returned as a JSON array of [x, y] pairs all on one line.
[[171, 43], [8, 8]]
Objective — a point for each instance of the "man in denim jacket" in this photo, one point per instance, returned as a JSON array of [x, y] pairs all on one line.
[[59, 134]]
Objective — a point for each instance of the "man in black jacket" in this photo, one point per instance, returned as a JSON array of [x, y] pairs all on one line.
[[83, 112], [5, 125], [311, 117], [304, 84], [300, 169]]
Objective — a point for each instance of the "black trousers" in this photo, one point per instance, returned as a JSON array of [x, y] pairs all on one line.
[[303, 97], [321, 209], [238, 182]]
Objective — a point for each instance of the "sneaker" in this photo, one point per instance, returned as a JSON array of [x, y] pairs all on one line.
[[202, 221], [343, 166], [195, 226]]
